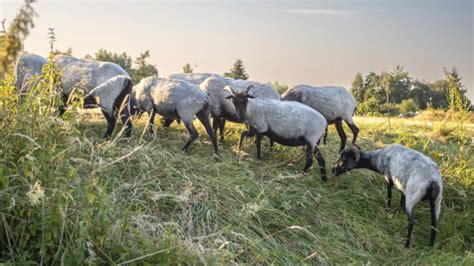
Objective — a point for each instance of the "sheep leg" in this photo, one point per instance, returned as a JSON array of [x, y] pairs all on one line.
[[389, 193], [111, 121], [63, 106], [221, 128], [325, 135], [402, 201], [167, 122], [321, 162], [193, 134], [241, 139], [309, 157], [355, 131], [258, 142], [411, 200], [434, 220], [411, 223], [215, 125], [151, 123], [342, 135], [203, 116]]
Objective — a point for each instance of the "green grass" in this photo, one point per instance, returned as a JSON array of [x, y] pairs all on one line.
[[145, 201]]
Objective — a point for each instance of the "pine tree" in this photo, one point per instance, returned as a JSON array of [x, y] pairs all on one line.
[[238, 71], [187, 69]]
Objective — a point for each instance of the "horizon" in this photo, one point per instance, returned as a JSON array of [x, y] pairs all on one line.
[[292, 42]]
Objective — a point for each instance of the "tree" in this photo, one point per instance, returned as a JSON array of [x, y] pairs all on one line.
[[123, 60], [281, 88], [386, 81], [408, 106], [142, 68], [358, 88], [187, 69], [456, 94], [11, 42], [238, 71], [137, 69]]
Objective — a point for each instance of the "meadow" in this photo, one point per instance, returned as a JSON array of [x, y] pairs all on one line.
[[69, 197]]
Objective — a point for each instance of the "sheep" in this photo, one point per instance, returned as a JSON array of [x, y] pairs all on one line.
[[222, 109], [336, 104], [28, 66], [104, 84], [287, 123], [195, 78], [414, 174], [172, 99]]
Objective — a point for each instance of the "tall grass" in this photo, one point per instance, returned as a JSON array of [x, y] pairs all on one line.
[[68, 197]]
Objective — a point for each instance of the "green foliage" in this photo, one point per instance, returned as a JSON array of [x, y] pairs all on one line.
[[137, 70], [408, 106], [187, 69], [377, 93], [11, 41], [238, 71], [123, 60], [142, 68], [281, 88]]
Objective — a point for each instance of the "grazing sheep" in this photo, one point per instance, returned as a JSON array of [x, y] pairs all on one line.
[[28, 66], [222, 109], [287, 123], [336, 104], [104, 84], [195, 78], [173, 99], [415, 175]]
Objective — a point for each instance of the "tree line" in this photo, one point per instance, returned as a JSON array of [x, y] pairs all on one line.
[[396, 92]]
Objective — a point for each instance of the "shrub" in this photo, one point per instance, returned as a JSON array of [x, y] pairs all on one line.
[[408, 106]]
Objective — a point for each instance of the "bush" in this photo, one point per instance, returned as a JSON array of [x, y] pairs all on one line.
[[408, 106]]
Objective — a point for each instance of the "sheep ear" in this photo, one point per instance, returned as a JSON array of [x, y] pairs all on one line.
[[229, 97]]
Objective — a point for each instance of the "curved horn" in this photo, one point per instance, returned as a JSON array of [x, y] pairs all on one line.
[[353, 150], [249, 88]]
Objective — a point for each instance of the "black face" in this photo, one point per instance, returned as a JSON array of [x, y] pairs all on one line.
[[240, 101], [346, 162]]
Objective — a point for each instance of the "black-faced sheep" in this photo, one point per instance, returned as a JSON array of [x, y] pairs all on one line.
[[336, 104], [104, 84], [415, 175], [173, 99], [221, 108], [287, 123]]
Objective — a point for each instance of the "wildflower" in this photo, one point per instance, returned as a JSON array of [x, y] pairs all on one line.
[[36, 193]]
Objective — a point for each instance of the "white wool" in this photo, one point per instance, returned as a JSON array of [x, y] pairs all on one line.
[[168, 96], [214, 87], [332, 102], [195, 78], [289, 120]]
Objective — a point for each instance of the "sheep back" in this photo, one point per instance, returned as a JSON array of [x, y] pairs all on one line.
[[332, 102], [289, 120]]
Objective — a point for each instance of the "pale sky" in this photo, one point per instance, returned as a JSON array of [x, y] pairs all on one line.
[[290, 41]]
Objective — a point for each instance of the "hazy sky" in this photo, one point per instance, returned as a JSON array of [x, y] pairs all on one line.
[[293, 42]]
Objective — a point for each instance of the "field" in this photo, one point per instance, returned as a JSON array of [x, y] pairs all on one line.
[[144, 201]]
